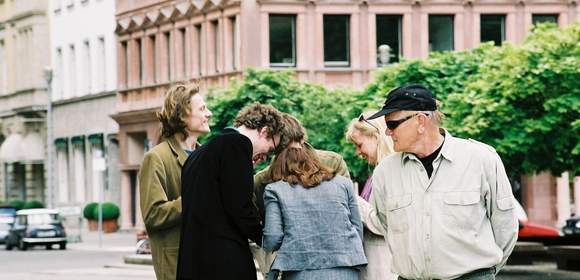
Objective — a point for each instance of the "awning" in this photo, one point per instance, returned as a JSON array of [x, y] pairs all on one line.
[[26, 149]]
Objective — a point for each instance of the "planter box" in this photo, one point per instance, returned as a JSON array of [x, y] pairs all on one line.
[[108, 225]]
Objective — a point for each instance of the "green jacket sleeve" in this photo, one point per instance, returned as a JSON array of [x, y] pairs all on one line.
[[261, 179], [159, 213]]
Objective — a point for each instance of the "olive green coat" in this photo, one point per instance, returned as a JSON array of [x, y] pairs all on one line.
[[160, 198]]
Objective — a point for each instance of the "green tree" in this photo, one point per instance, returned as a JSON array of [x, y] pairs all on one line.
[[526, 102]]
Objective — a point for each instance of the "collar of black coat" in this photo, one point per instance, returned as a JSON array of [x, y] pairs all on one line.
[[177, 150]]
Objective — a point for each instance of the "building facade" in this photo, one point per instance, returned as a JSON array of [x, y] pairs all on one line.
[[83, 51], [331, 42], [23, 99]]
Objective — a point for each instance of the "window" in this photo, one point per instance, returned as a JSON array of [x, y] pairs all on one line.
[[102, 65], [139, 56], [58, 78], [440, 33], [153, 58], [3, 67], [183, 41], [72, 70], [389, 32], [492, 29], [282, 40], [198, 50], [540, 18], [87, 66], [216, 44], [234, 42], [125, 65], [336, 40], [167, 39]]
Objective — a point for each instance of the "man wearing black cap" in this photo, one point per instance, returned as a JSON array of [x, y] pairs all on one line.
[[445, 202]]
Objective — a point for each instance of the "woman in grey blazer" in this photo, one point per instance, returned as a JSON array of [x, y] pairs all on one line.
[[312, 220]]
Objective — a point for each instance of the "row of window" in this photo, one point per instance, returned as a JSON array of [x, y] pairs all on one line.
[[388, 32], [194, 51], [177, 54], [80, 77]]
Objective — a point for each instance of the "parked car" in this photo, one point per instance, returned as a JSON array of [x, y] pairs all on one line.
[[36, 227], [530, 231], [572, 226], [7, 214]]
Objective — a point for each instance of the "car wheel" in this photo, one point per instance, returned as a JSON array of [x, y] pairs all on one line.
[[22, 245], [49, 247], [62, 246], [8, 246]]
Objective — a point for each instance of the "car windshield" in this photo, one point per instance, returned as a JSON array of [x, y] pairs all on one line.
[[7, 211], [42, 219]]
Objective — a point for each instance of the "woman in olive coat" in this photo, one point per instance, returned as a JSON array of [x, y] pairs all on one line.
[[184, 117]]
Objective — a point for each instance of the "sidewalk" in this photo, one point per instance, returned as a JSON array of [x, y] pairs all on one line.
[[121, 241]]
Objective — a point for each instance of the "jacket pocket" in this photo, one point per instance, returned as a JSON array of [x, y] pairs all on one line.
[[462, 208], [397, 212], [169, 263]]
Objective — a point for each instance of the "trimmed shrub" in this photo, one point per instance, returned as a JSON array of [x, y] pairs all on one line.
[[18, 204], [33, 204], [89, 210], [110, 211]]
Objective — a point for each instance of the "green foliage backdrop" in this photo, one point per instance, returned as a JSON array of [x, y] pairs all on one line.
[[524, 101]]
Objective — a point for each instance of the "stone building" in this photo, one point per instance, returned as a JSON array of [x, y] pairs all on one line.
[[84, 62], [23, 99], [331, 42]]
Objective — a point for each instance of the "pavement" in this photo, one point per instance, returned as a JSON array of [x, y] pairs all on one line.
[[121, 241]]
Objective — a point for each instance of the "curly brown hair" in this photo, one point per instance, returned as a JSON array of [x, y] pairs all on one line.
[[257, 116], [299, 166], [176, 108]]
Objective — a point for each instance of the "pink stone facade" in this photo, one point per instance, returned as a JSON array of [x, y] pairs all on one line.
[[212, 41]]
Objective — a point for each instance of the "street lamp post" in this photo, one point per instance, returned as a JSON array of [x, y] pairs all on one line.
[[49, 131]]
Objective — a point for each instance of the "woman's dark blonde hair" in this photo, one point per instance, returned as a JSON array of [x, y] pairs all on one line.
[[299, 166], [176, 108]]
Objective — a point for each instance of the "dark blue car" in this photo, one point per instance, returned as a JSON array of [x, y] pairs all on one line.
[[36, 227], [7, 214]]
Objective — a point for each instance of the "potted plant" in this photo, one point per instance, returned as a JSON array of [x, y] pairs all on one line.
[[88, 214], [18, 204], [111, 213], [33, 204]]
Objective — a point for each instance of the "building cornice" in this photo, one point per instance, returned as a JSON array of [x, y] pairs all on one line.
[[137, 116], [146, 17], [26, 14], [83, 98]]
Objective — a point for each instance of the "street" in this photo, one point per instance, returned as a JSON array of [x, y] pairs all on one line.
[[83, 260], [87, 261]]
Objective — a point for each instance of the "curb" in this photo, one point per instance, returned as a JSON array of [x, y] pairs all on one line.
[[138, 259]]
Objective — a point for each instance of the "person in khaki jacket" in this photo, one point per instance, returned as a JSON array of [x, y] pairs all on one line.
[[184, 117], [445, 203], [293, 132]]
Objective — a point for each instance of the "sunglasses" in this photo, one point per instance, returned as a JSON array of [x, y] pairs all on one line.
[[392, 124], [361, 118]]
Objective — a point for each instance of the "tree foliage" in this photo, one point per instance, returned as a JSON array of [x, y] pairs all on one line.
[[524, 101], [325, 113]]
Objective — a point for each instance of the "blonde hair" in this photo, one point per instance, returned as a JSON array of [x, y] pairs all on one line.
[[372, 128]]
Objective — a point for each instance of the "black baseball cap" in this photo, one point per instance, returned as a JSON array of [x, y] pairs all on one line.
[[407, 98]]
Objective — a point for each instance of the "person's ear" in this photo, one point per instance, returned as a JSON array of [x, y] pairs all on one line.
[[263, 131]]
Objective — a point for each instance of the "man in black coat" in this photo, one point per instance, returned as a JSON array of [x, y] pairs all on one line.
[[218, 215]]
